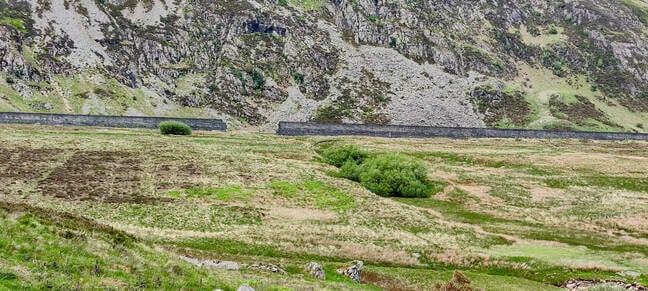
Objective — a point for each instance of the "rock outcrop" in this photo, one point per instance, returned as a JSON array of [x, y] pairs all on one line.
[[258, 62]]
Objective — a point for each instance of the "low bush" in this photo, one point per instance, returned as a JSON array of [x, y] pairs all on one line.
[[395, 175], [392, 175], [341, 155], [351, 170], [174, 128]]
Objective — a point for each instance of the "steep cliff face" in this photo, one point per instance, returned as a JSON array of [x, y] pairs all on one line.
[[535, 64]]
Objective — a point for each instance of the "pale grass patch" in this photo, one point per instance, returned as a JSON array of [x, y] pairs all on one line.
[[446, 176], [542, 193], [112, 283], [587, 265], [601, 162], [481, 192], [637, 223], [21, 272], [568, 256], [302, 214], [372, 252], [544, 39], [458, 257]]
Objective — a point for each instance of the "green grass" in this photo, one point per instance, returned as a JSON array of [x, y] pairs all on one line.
[[513, 195], [462, 159], [52, 256], [421, 278], [591, 240], [285, 189], [195, 216], [332, 275], [564, 255], [315, 193], [460, 196], [457, 211], [230, 193], [328, 197], [622, 183], [307, 4], [232, 247], [16, 23]]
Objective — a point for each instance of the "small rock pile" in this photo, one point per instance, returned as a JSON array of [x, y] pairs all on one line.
[[585, 284]]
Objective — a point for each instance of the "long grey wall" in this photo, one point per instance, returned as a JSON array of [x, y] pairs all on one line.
[[306, 128], [106, 120]]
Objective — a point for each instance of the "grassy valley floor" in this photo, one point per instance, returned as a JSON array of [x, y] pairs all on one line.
[[117, 208]]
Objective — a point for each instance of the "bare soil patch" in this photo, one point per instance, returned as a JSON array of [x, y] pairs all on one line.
[[108, 176], [178, 176], [24, 164]]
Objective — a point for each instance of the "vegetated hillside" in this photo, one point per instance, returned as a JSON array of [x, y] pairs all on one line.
[[534, 64], [88, 208]]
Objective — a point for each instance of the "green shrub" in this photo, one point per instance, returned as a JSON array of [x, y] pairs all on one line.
[[340, 155], [16, 23], [553, 30], [299, 77], [395, 175], [174, 128], [258, 81], [386, 175], [350, 170]]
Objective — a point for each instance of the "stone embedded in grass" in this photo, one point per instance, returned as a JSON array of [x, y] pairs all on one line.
[[268, 267], [314, 269], [192, 261], [600, 284], [245, 287], [225, 265], [354, 271]]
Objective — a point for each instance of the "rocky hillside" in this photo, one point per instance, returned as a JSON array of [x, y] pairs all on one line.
[[566, 64]]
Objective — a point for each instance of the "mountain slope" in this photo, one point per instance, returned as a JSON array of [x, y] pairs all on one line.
[[532, 64]]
